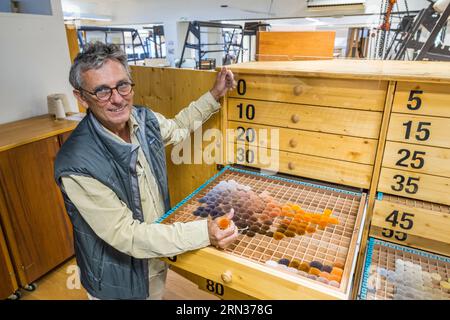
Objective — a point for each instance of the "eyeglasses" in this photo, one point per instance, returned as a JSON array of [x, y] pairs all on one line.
[[104, 93]]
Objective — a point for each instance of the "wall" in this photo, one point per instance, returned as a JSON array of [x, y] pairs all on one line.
[[34, 62]]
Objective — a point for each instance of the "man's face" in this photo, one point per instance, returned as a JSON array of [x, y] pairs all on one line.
[[114, 112]]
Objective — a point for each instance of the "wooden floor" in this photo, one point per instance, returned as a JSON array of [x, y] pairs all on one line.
[[56, 286]]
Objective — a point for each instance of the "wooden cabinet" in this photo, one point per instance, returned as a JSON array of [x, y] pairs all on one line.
[[379, 126], [37, 228], [306, 125]]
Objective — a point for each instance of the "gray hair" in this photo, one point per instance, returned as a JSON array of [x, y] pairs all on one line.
[[94, 56]]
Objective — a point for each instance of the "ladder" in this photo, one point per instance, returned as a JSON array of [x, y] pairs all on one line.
[[433, 22], [136, 40]]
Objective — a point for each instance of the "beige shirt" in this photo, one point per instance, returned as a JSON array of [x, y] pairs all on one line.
[[113, 221]]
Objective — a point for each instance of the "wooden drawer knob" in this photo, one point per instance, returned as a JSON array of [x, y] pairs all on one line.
[[298, 90], [291, 166], [292, 143], [227, 277], [295, 118]]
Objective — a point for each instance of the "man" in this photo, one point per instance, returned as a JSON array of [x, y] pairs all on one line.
[[112, 174]]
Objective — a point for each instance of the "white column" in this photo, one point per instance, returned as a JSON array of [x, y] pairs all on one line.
[[175, 33]]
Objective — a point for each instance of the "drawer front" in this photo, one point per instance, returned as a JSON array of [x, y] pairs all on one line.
[[336, 171], [415, 185], [319, 144], [246, 277], [430, 131], [422, 99], [320, 119], [216, 288], [366, 95], [415, 158], [399, 222], [411, 241]]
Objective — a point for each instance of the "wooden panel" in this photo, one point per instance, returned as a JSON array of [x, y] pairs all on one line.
[[325, 145], [63, 137], [21, 132], [430, 131], [367, 95], [415, 185], [413, 241], [72, 40], [74, 49], [7, 278], [295, 45], [321, 119], [168, 91], [35, 219], [336, 171], [422, 99], [423, 159], [425, 71]]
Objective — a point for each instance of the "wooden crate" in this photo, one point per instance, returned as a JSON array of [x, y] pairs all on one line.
[[287, 45]]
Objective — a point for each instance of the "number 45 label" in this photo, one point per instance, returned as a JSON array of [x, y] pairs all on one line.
[[403, 219]]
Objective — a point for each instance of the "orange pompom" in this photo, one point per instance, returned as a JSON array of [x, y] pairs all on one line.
[[223, 223]]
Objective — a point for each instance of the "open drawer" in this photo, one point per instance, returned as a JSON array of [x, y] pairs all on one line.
[[319, 227], [394, 272]]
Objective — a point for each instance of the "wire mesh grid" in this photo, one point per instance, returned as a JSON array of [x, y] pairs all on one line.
[[329, 246], [418, 203], [398, 274]]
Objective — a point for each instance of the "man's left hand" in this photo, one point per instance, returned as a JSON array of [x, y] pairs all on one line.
[[224, 82]]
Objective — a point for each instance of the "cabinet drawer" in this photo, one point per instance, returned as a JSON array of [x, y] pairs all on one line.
[[321, 119], [415, 158], [312, 167], [390, 272], [364, 95], [415, 185], [243, 268], [414, 223], [430, 131], [422, 99], [319, 144]]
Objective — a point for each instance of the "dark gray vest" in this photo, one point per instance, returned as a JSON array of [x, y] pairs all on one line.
[[105, 272]]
